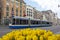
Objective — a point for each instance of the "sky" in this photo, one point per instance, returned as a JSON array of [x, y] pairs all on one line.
[[43, 5]]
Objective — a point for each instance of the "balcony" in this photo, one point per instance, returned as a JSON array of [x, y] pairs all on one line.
[[17, 3], [7, 3]]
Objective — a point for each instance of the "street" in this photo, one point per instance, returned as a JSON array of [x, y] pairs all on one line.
[[5, 29]]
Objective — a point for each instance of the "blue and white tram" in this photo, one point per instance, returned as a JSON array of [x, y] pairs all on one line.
[[22, 22]]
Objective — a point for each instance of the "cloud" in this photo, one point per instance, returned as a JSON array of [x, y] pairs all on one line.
[[49, 4]]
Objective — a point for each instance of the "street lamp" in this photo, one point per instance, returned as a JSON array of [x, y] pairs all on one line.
[[29, 21]]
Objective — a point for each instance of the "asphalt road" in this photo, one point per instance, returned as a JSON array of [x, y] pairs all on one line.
[[5, 29]]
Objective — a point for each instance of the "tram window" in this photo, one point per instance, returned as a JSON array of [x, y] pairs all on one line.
[[42, 22], [34, 22], [47, 22], [17, 22], [23, 22], [13, 22], [39, 22], [26, 21]]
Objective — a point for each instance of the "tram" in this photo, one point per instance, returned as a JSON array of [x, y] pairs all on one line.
[[22, 22]]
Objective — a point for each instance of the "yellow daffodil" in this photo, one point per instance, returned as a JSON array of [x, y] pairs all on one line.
[[21, 38], [28, 37], [34, 38], [0, 38], [41, 37], [31, 34]]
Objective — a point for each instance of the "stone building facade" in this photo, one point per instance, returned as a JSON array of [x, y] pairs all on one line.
[[50, 16], [11, 8], [58, 21], [37, 14]]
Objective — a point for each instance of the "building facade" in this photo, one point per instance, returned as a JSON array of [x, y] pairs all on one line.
[[22, 8], [29, 11], [58, 21], [37, 14], [50, 16], [11, 8]]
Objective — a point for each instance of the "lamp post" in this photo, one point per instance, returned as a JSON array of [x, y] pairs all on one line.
[[29, 21]]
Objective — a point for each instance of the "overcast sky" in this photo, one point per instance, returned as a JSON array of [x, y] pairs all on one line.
[[42, 5]]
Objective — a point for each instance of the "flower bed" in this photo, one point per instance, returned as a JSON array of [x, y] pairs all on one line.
[[30, 34]]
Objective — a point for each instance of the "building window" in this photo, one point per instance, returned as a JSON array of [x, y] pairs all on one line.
[[8, 0], [12, 9], [17, 12], [20, 12], [12, 12], [7, 13], [7, 8], [31, 10], [27, 15], [27, 8], [20, 7], [27, 11], [24, 11], [20, 3], [16, 0], [31, 15]]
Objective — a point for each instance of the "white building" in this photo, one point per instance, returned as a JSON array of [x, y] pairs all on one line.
[[44, 18], [29, 11]]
